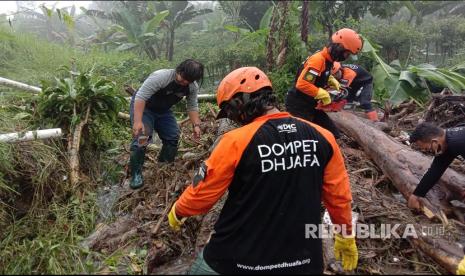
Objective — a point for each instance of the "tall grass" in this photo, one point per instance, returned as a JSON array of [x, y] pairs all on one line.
[[5, 187], [50, 244], [29, 59], [42, 219]]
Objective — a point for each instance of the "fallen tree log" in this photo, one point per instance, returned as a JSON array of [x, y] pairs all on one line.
[[446, 254], [405, 167]]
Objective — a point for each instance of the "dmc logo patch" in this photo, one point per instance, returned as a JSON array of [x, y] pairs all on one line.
[[288, 128]]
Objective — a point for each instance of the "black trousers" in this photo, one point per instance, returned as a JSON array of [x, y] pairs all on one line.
[[303, 106], [365, 93]]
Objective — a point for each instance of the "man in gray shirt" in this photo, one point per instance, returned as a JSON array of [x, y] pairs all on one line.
[[151, 110]]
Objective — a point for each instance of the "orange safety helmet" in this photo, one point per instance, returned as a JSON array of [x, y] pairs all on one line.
[[245, 80], [349, 39], [336, 67]]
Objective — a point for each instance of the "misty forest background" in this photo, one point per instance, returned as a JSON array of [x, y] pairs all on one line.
[[83, 58]]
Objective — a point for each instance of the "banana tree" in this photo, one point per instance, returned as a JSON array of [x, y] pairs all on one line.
[[249, 47], [397, 83], [74, 102], [130, 30], [55, 23], [180, 13]]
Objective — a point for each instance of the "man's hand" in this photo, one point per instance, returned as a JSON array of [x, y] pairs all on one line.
[[138, 129], [173, 220], [332, 82], [346, 249], [324, 96], [197, 131], [414, 202]]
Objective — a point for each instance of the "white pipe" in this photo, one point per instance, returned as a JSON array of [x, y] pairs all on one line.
[[34, 89], [19, 85], [206, 97], [30, 135], [124, 115]]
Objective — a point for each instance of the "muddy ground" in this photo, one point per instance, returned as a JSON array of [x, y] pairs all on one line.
[[140, 216]]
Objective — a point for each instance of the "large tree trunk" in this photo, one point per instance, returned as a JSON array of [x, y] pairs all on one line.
[[171, 45], [329, 29], [404, 166], [270, 43], [283, 34]]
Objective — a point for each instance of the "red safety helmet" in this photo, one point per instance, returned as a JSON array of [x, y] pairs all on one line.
[[349, 39], [336, 67]]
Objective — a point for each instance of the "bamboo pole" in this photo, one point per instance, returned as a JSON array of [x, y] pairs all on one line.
[[30, 135]]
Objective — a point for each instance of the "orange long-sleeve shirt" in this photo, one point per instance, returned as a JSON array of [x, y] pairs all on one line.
[[315, 73], [277, 169]]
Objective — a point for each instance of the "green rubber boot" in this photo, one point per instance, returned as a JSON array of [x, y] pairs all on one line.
[[167, 153], [136, 163]]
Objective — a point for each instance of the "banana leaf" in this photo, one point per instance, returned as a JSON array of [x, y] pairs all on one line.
[[396, 84]]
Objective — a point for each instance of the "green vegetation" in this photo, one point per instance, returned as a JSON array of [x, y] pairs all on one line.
[[43, 216], [29, 59], [398, 83], [49, 242], [410, 47]]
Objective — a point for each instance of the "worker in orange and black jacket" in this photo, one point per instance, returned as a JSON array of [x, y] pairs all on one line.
[[314, 75], [359, 83], [277, 169]]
